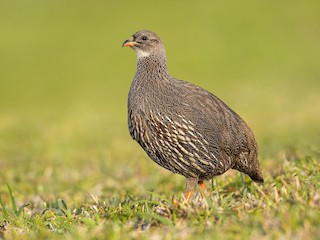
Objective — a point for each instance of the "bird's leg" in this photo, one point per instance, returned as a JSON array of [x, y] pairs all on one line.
[[202, 186], [190, 187]]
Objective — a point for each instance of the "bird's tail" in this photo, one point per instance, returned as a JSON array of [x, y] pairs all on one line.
[[257, 176]]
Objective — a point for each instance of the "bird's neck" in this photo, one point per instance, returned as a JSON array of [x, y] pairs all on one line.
[[153, 65], [151, 76]]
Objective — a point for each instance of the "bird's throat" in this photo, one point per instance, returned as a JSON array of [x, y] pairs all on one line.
[[142, 54]]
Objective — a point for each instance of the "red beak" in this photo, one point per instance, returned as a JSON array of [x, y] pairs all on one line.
[[128, 43]]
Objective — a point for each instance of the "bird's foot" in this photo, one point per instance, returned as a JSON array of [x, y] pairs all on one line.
[[202, 185]]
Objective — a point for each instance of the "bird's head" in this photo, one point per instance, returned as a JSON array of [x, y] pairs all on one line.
[[144, 43]]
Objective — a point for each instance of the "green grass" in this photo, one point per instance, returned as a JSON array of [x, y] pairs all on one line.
[[68, 168], [287, 205]]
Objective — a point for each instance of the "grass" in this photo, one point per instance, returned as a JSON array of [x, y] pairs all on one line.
[[287, 205], [68, 168]]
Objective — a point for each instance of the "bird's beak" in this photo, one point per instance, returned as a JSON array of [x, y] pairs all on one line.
[[129, 43]]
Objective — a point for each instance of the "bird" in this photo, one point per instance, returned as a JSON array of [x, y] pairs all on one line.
[[181, 126]]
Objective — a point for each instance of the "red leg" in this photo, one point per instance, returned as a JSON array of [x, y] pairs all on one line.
[[190, 188], [202, 186], [189, 195]]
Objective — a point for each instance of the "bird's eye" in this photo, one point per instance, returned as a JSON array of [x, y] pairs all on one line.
[[144, 38]]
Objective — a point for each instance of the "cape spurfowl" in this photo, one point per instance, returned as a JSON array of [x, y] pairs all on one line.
[[181, 126]]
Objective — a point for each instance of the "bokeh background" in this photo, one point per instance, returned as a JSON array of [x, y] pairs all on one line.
[[64, 80]]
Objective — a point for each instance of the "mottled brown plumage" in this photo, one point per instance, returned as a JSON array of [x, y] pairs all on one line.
[[181, 126]]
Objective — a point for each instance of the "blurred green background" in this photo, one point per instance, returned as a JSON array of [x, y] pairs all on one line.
[[64, 77]]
